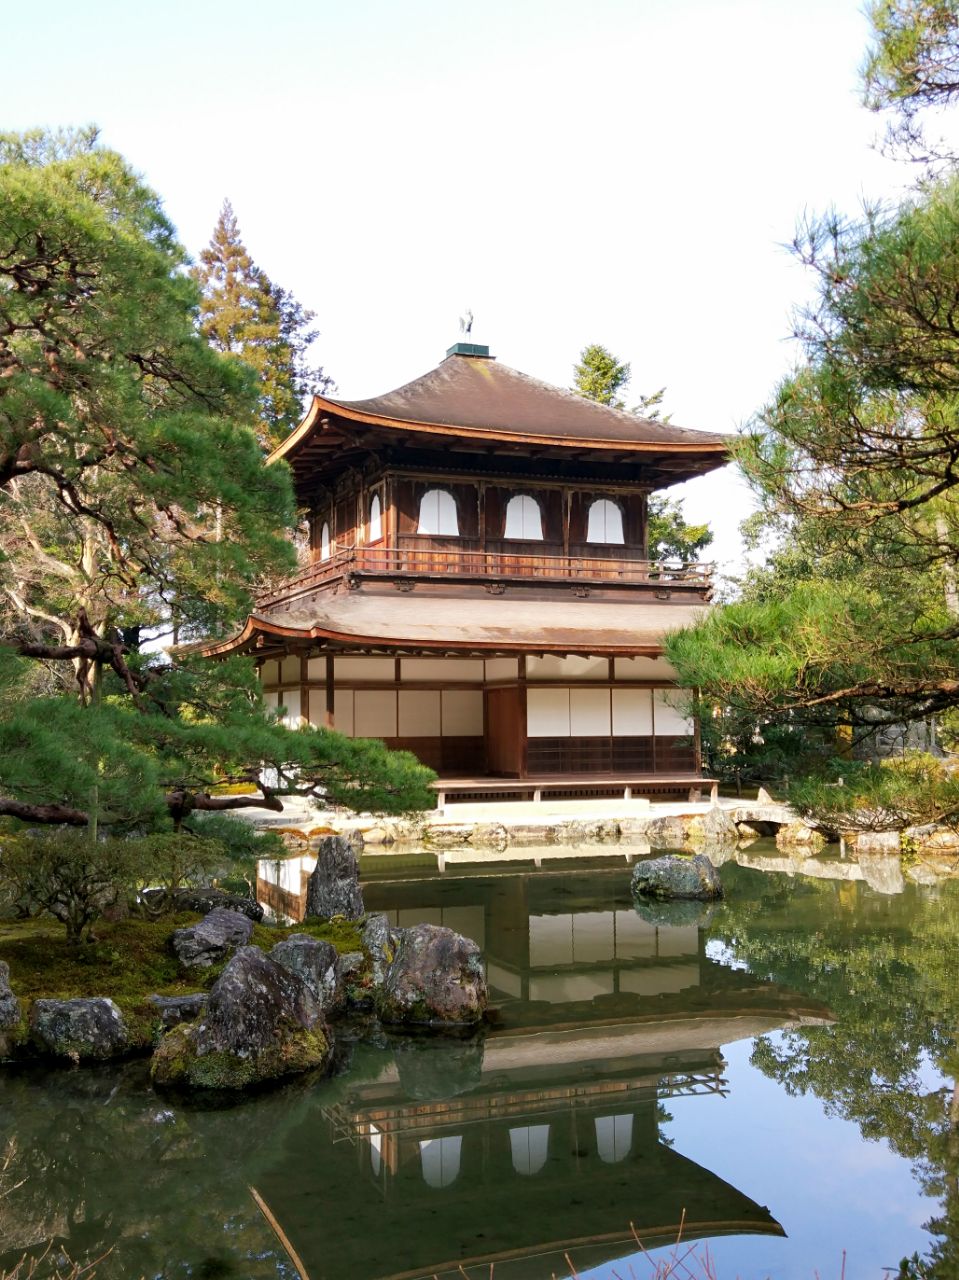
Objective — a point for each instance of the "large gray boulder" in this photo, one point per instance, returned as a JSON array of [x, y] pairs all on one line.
[[380, 940], [261, 1023], [334, 887], [90, 1027], [201, 945], [9, 1004], [315, 962], [436, 977], [670, 877]]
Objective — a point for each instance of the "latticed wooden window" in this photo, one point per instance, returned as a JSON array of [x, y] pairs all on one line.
[[605, 522], [438, 514], [376, 519], [524, 518]]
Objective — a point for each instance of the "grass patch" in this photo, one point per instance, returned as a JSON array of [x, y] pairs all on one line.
[[130, 959]]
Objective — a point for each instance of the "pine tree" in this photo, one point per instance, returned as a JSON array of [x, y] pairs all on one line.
[[246, 316]]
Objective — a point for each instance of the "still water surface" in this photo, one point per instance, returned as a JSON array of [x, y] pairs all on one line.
[[778, 1074]]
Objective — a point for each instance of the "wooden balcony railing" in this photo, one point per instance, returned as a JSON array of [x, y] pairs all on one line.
[[439, 563]]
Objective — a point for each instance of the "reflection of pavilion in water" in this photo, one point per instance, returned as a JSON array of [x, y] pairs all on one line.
[[544, 1138]]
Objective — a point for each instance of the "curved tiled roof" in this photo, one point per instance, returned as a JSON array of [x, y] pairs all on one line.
[[467, 395]]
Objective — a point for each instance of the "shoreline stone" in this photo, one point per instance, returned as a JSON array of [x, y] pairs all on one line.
[[435, 978], [88, 1027], [261, 1023], [201, 945], [333, 889]]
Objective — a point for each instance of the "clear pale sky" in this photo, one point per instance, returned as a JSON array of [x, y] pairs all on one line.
[[617, 171]]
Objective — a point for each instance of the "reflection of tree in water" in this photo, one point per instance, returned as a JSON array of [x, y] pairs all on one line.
[[889, 969], [105, 1165]]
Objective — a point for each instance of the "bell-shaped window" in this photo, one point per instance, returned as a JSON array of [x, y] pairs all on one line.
[[376, 519], [524, 518], [438, 514], [441, 1160], [325, 541], [605, 522], [529, 1147]]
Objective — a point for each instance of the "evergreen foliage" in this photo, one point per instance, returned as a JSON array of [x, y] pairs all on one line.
[[853, 621], [131, 494], [248, 318]]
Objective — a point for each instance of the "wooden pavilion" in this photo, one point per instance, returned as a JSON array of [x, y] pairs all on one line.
[[477, 588]]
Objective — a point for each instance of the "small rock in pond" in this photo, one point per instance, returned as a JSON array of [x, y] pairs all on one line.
[[261, 1023], [316, 962], [673, 877], [87, 1027], [436, 977], [201, 945]]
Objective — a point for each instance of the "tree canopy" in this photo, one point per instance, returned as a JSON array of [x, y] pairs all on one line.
[[248, 318], [853, 620], [133, 494]]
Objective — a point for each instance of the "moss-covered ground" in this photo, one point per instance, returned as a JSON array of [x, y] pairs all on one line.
[[128, 961]]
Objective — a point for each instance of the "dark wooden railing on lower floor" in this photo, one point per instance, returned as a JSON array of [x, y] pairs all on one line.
[[432, 563]]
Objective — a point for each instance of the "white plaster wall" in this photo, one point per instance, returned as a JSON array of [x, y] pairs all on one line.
[[462, 713], [671, 717], [632, 712], [553, 667], [419, 713], [502, 668], [643, 669], [442, 669], [290, 670], [343, 719], [589, 712], [270, 672], [316, 668], [547, 713], [364, 668], [271, 700], [374, 713]]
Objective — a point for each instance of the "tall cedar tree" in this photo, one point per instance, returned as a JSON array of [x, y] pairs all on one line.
[[128, 493], [600, 376], [246, 316]]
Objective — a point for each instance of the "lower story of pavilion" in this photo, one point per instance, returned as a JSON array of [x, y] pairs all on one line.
[[537, 717], [572, 697]]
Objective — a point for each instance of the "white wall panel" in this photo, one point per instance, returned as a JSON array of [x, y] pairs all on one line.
[[671, 717], [643, 669], [316, 668], [270, 700], [364, 668], [553, 667], [462, 713], [588, 712], [290, 670], [343, 719], [270, 672], [632, 712], [442, 669], [374, 713], [419, 713], [502, 668], [547, 713]]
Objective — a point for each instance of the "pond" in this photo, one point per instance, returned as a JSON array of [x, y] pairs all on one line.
[[775, 1079]]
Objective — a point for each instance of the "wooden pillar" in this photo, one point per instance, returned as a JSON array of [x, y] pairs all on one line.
[[329, 718], [523, 718], [697, 735], [304, 687]]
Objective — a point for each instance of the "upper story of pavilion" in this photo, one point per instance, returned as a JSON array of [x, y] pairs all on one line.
[[476, 477]]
